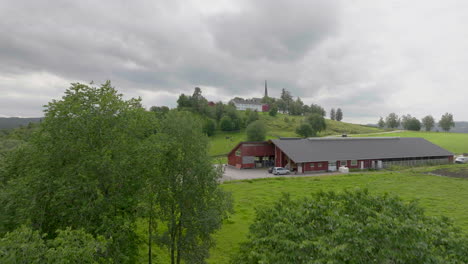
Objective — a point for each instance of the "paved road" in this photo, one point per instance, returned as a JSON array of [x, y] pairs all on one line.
[[232, 174]]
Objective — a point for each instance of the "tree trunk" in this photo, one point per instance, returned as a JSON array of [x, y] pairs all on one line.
[[150, 233], [179, 239], [172, 231]]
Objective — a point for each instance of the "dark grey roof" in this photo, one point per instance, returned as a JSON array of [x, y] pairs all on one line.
[[332, 149]]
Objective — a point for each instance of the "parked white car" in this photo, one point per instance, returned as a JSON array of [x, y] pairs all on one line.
[[280, 171], [461, 160]]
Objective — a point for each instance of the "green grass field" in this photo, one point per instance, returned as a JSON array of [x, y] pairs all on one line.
[[454, 142], [439, 196], [282, 126]]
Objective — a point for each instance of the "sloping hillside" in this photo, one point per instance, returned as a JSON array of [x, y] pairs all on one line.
[[283, 126]]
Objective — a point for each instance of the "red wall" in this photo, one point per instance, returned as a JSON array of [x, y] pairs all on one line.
[[312, 166], [260, 149]]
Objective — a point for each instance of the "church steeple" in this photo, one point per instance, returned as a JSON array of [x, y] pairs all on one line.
[[266, 89]]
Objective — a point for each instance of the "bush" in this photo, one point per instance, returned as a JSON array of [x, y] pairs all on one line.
[[352, 227], [256, 131], [226, 124], [305, 130]]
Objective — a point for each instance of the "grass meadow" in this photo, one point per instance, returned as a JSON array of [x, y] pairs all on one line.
[[454, 142], [438, 195]]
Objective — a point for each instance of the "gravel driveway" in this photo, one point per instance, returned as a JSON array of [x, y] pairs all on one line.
[[232, 174]]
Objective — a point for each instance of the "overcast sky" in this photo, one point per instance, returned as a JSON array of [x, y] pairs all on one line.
[[367, 57]]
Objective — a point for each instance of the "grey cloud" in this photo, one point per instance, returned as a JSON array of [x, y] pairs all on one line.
[[275, 30]]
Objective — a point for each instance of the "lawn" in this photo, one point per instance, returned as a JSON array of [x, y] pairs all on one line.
[[440, 196], [454, 142]]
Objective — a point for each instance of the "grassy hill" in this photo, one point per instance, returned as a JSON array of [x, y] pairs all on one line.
[[282, 126], [454, 142]]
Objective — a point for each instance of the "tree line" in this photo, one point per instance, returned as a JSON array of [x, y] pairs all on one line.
[[409, 122], [287, 105], [98, 164]]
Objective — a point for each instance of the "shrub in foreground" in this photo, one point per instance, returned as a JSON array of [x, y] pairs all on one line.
[[350, 227]]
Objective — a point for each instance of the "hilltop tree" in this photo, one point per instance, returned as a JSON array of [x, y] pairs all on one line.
[[256, 131], [316, 109], [317, 123], [446, 122], [305, 130], [296, 107], [339, 114], [392, 120], [273, 110], [285, 101], [381, 123], [350, 227], [332, 114], [428, 122]]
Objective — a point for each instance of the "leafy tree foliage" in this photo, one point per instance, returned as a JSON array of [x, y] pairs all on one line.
[[273, 110], [296, 107], [191, 204], [316, 109], [226, 124], [428, 122], [339, 114], [392, 120], [305, 130], [351, 227], [446, 122], [250, 116], [80, 169], [413, 124], [317, 122], [209, 127], [332, 114], [160, 110], [381, 123], [23, 245], [256, 131]]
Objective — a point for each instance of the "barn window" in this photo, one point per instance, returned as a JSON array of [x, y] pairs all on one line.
[[238, 152], [343, 163], [354, 163]]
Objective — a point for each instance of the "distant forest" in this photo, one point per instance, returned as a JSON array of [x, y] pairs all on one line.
[[14, 122]]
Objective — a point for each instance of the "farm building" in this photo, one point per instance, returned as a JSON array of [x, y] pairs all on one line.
[[328, 154]]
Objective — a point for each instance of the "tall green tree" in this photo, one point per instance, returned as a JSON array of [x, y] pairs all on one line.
[[256, 131], [296, 107], [332, 114], [428, 122], [392, 120], [317, 122], [381, 123], [305, 130], [286, 100], [350, 227], [413, 124], [80, 169], [273, 110], [317, 109], [191, 204], [446, 122], [339, 114]]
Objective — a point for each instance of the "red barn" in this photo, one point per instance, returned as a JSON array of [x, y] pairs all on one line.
[[328, 154], [252, 155]]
